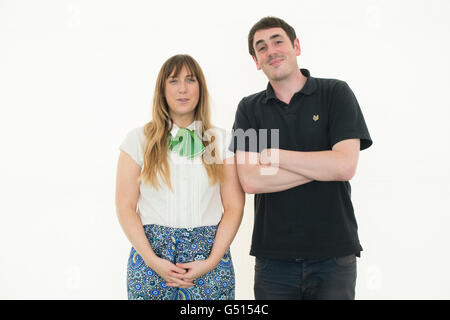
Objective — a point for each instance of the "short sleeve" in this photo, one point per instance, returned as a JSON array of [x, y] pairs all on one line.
[[346, 118], [132, 144], [244, 136]]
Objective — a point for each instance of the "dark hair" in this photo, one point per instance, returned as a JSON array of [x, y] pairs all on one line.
[[267, 23]]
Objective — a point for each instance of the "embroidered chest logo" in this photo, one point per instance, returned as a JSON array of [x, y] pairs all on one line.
[[315, 117]]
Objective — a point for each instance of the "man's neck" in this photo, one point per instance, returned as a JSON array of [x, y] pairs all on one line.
[[286, 88]]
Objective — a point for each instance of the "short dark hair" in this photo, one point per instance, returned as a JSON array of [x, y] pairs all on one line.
[[267, 23]]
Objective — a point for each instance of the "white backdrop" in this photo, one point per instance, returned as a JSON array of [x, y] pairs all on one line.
[[76, 76]]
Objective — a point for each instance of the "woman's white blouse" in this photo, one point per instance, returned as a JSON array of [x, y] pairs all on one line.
[[193, 202]]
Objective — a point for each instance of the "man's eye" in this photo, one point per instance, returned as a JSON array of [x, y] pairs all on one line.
[[261, 48]]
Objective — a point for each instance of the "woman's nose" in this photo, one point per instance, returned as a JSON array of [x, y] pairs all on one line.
[[182, 87]]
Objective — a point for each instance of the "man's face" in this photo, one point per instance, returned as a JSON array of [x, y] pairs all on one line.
[[275, 54]]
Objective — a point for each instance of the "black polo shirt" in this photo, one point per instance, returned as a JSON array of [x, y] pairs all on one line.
[[314, 220]]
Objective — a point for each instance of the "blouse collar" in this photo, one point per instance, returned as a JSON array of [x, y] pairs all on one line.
[[175, 128]]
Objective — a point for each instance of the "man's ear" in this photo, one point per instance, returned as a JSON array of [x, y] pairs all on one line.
[[258, 67], [297, 47]]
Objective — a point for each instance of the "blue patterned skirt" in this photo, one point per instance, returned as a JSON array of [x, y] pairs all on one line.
[[180, 245]]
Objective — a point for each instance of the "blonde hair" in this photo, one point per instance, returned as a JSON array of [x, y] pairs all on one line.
[[157, 130]]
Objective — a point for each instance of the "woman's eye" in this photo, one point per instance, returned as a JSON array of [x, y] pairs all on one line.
[[191, 80]]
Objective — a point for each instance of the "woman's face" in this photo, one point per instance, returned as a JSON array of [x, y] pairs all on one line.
[[182, 93]]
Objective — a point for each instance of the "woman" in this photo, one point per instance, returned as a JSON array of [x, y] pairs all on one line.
[[179, 209]]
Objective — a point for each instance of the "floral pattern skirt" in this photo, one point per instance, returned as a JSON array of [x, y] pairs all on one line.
[[180, 245]]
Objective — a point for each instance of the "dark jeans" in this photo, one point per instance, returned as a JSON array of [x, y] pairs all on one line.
[[309, 279]]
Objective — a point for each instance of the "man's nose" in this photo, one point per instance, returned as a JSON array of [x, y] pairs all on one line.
[[271, 51]]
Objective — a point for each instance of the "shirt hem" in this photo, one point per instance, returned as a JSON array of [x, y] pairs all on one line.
[[312, 253], [167, 225]]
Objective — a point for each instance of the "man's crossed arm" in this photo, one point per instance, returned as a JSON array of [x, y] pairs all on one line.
[[277, 170]]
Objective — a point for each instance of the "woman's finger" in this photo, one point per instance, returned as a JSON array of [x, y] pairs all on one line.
[[180, 282], [188, 275], [187, 265], [177, 275], [178, 269]]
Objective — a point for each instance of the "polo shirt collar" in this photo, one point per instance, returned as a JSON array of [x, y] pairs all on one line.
[[309, 87]]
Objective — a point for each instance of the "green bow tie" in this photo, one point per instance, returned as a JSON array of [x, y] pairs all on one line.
[[186, 143]]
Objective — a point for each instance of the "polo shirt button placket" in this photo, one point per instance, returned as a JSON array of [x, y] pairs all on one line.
[[283, 105]]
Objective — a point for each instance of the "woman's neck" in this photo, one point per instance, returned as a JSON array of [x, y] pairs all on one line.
[[182, 121]]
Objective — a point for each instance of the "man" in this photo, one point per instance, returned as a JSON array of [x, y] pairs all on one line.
[[305, 236]]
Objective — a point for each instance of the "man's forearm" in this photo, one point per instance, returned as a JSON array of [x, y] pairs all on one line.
[[319, 165], [338, 164], [266, 179]]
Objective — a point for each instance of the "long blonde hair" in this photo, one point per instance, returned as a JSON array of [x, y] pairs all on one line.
[[157, 130]]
